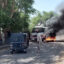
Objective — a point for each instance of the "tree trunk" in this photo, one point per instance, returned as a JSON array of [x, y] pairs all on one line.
[[3, 3], [12, 10]]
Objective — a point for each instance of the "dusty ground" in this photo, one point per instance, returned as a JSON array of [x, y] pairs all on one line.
[[50, 53]]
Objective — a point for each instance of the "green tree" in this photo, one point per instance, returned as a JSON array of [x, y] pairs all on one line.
[[47, 15], [25, 6], [40, 18], [35, 20], [17, 12]]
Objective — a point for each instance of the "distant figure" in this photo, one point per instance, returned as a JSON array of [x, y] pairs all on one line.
[[2, 36], [8, 33], [28, 35]]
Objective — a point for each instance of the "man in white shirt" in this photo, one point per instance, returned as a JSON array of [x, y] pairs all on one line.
[[39, 41]]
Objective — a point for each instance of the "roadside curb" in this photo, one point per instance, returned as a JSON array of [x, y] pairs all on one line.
[[4, 46]]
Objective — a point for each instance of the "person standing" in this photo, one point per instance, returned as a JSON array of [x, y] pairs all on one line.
[[2, 36], [39, 41]]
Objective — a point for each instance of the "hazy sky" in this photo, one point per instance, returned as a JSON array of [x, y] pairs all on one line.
[[46, 5]]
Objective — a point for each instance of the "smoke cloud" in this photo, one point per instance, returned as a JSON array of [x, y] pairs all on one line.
[[56, 23]]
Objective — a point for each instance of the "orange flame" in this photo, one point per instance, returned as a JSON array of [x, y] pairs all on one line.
[[50, 39]]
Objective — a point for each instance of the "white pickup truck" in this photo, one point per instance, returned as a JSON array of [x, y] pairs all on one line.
[[35, 31]]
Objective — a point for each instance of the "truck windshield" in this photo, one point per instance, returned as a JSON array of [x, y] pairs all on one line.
[[16, 37], [38, 29]]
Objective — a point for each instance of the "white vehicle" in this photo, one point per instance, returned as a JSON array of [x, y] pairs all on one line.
[[35, 31]]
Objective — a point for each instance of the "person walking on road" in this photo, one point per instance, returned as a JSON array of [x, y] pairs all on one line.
[[39, 41]]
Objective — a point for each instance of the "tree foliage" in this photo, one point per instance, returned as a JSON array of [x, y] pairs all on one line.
[[40, 18], [14, 14]]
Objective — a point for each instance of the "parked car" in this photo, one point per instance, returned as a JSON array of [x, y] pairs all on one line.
[[18, 42], [35, 31]]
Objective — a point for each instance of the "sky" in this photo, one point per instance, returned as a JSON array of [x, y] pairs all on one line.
[[46, 5]]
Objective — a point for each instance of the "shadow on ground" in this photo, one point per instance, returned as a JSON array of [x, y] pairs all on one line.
[[49, 54]]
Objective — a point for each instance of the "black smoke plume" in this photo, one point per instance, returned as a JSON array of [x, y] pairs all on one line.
[[57, 25]]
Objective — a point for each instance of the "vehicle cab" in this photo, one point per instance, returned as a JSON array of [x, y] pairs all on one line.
[[18, 42], [34, 33]]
